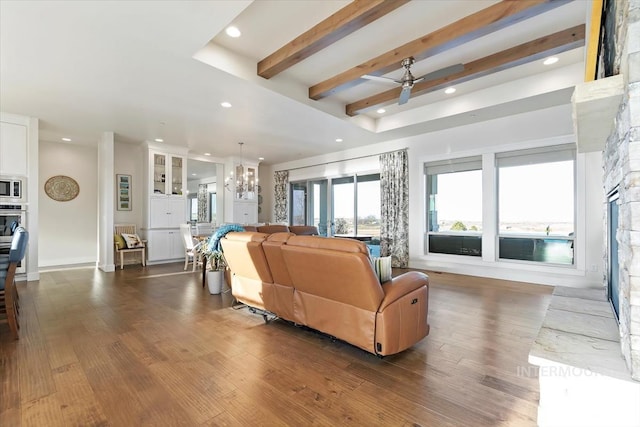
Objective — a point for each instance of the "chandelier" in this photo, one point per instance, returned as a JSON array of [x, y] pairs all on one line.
[[245, 181]]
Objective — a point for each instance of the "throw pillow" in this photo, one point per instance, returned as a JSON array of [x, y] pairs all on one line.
[[119, 241], [133, 240], [382, 267]]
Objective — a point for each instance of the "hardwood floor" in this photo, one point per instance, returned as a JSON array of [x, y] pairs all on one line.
[[147, 346]]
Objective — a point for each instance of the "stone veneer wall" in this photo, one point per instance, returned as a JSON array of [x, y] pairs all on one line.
[[621, 159]]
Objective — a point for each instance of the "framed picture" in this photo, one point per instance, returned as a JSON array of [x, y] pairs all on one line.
[[123, 191]]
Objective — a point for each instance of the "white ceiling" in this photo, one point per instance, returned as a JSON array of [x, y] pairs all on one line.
[[159, 69]]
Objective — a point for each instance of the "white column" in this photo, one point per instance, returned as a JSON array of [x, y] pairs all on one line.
[[106, 203]]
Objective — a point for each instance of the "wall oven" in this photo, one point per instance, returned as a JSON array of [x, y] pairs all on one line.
[[11, 216], [13, 190]]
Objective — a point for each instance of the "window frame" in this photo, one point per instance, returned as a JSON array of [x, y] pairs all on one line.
[[454, 165], [490, 207]]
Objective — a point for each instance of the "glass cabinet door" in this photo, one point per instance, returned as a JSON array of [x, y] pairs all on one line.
[[159, 174], [176, 176]]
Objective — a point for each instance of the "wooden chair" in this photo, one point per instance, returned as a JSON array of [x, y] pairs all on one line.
[[122, 249], [204, 228], [190, 247], [9, 306]]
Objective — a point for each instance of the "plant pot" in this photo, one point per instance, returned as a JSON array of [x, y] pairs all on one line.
[[215, 281]]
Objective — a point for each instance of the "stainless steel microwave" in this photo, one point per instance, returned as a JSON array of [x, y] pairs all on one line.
[[12, 190]]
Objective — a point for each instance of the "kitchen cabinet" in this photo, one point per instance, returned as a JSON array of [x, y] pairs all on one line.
[[166, 212], [164, 245], [165, 201]]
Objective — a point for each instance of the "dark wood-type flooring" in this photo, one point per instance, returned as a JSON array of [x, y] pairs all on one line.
[[150, 347]]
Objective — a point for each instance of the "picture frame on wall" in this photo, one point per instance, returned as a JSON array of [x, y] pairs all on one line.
[[123, 192]]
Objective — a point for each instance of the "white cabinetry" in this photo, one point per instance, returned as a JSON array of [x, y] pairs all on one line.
[[245, 211], [165, 201], [164, 245], [13, 149], [167, 212], [245, 200]]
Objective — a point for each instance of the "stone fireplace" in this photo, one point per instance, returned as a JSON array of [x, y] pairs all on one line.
[[621, 163]]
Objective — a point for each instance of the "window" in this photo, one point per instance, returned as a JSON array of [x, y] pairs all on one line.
[[536, 205], [368, 206], [298, 212], [357, 197], [356, 208], [454, 213], [343, 192], [318, 200], [193, 207]]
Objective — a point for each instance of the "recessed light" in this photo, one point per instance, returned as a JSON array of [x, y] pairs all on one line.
[[194, 174], [207, 154], [450, 90], [225, 104], [339, 139], [381, 111], [233, 31], [159, 140], [66, 139], [261, 158], [550, 60]]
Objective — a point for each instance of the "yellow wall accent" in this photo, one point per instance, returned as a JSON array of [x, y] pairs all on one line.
[[593, 41]]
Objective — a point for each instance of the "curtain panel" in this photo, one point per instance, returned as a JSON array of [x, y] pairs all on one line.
[[394, 209], [281, 179], [203, 205]]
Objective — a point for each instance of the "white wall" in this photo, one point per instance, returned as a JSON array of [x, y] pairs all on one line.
[[68, 230], [539, 128], [128, 160]]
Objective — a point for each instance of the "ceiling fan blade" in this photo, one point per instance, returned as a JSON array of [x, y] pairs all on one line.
[[380, 79], [404, 95], [443, 72]]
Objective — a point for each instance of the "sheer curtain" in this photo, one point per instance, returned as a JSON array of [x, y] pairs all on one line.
[[281, 179], [394, 209]]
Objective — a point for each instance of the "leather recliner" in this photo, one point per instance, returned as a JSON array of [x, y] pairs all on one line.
[[329, 285]]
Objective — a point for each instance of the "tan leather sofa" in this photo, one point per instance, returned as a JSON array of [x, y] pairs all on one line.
[[300, 230], [329, 285]]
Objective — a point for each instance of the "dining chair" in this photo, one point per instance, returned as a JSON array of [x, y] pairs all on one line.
[[9, 306], [204, 228], [190, 247]]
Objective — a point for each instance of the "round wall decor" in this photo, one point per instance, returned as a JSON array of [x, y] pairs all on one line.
[[61, 188]]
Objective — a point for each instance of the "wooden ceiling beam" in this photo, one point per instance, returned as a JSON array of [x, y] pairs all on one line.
[[483, 22], [536, 49], [342, 23]]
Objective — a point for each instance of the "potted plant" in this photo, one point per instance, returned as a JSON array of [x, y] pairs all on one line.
[[216, 267], [212, 250]]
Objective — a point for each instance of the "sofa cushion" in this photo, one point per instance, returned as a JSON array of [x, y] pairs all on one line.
[[316, 242], [132, 240], [119, 241], [382, 267], [304, 230], [273, 228]]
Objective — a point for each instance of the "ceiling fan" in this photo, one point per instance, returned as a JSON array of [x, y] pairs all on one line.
[[407, 80]]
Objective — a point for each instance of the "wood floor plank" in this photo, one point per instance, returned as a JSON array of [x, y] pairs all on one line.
[[150, 346], [43, 411]]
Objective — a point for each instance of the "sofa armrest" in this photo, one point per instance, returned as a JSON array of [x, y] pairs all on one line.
[[399, 286]]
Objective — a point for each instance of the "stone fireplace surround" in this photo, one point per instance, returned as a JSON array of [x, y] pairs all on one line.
[[589, 364], [621, 164]]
